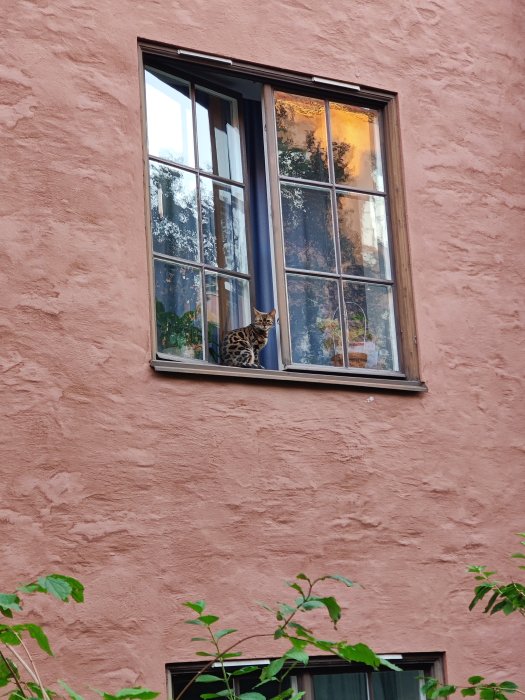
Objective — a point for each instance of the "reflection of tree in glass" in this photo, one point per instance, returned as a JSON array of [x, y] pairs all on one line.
[[308, 161], [307, 221], [174, 213]]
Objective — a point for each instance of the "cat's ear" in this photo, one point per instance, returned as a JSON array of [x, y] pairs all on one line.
[[272, 313], [256, 313]]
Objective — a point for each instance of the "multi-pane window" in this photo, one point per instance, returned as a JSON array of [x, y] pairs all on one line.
[[198, 220], [336, 243], [266, 193]]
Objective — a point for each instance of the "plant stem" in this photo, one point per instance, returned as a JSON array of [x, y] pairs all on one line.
[[215, 659], [12, 671]]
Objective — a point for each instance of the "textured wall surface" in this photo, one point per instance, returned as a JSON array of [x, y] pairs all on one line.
[[152, 489]]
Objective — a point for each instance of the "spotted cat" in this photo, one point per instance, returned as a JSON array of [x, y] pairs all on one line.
[[241, 346]]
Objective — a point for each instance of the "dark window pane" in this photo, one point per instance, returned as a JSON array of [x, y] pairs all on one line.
[[397, 685], [308, 230], [340, 686], [363, 235], [170, 126], [227, 306], [314, 320], [356, 147], [301, 136], [371, 327], [178, 301], [269, 690], [194, 692], [174, 220], [218, 135], [223, 226]]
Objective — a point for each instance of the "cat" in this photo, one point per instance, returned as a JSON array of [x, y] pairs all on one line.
[[241, 346]]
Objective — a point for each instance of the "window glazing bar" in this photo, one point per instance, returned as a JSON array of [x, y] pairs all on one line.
[[328, 185]]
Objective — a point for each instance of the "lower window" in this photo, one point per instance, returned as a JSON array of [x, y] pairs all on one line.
[[327, 678]]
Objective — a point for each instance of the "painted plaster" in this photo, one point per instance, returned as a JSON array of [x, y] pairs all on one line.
[[153, 490]]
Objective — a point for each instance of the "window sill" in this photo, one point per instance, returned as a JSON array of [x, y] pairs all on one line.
[[294, 377]]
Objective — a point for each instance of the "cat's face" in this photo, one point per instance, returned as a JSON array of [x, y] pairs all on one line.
[[262, 320]]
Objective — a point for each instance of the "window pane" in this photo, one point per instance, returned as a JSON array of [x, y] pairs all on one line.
[[218, 135], [178, 301], [174, 219], [363, 235], [228, 307], [308, 230], [371, 328], [356, 147], [397, 685], [314, 320], [340, 686], [170, 130], [301, 137], [223, 225]]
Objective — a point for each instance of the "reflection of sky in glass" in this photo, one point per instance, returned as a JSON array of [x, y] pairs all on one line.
[[363, 235], [356, 147], [170, 130], [223, 225], [218, 135], [302, 138]]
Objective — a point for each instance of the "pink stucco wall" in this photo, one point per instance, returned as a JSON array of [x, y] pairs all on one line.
[[153, 489]]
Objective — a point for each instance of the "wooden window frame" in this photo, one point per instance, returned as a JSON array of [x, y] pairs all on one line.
[[406, 380]]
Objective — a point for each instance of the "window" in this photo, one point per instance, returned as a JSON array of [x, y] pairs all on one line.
[[272, 190], [327, 678]]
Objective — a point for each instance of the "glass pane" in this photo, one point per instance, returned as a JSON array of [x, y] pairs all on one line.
[[170, 129], [178, 301], [227, 306], [223, 225], [363, 235], [371, 328], [340, 686], [301, 136], [174, 220], [268, 690], [308, 230], [314, 321], [397, 685], [218, 135], [356, 147]]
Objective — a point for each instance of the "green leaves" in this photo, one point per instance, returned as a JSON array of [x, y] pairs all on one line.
[[57, 585], [199, 605], [433, 689], [137, 693], [37, 633], [9, 602], [70, 691]]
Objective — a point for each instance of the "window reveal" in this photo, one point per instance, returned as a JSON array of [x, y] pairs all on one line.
[[327, 265]]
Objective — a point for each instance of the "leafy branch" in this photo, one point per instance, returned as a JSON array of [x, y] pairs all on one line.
[[506, 598], [300, 637], [18, 671]]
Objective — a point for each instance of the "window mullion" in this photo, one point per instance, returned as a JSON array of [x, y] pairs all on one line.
[[274, 190], [199, 225], [335, 231]]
